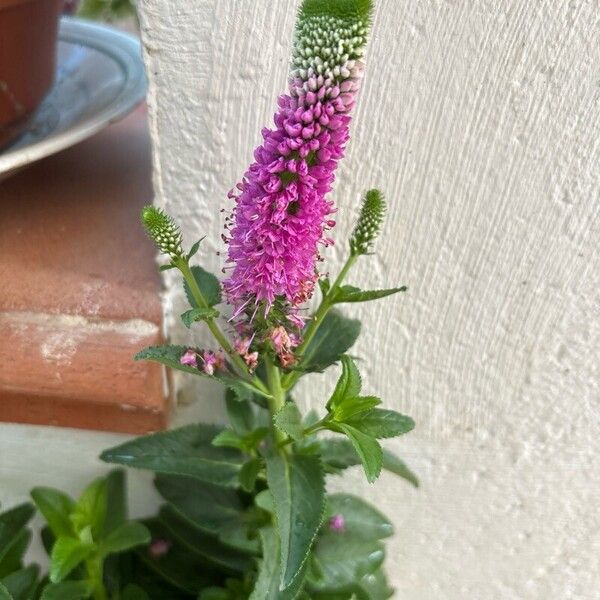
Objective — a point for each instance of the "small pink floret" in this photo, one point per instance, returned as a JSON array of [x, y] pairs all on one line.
[[159, 548], [189, 358], [337, 523]]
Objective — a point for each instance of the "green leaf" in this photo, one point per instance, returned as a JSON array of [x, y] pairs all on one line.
[[198, 314], [249, 473], [67, 553], [340, 454], [298, 487], [324, 285], [134, 592], [22, 583], [116, 501], [208, 507], [289, 420], [269, 571], [168, 355], [127, 536], [206, 547], [4, 593], [194, 248], [240, 413], [177, 565], [12, 534], [184, 451], [382, 423], [90, 508], [344, 559], [348, 293], [354, 407], [367, 448], [56, 507], [209, 286], [67, 590], [393, 464], [228, 438], [166, 267], [13, 552], [333, 338], [374, 586], [361, 520], [348, 384]]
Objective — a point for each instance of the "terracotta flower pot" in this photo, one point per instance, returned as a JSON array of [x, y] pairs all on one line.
[[28, 30]]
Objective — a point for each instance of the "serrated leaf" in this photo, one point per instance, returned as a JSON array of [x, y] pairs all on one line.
[[350, 408], [338, 454], [126, 536], [249, 473], [22, 583], [56, 507], [184, 451], [206, 547], [208, 507], [67, 553], [382, 423], [334, 337], [289, 420], [209, 286], [348, 293], [198, 314], [67, 590], [348, 385], [269, 571], [298, 487], [168, 355], [367, 448]]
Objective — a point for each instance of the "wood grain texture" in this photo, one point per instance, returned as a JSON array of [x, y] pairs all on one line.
[[481, 122]]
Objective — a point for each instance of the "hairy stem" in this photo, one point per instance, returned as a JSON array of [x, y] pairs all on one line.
[[290, 379], [94, 569], [277, 399], [214, 328]]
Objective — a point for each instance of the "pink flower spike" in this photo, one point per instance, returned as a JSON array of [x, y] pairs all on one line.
[[337, 523], [189, 358]]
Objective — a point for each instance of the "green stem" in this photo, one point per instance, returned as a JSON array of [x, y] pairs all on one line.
[[214, 328], [290, 379], [94, 569], [277, 399]]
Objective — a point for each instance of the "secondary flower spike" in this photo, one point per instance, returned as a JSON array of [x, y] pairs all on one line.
[[282, 214]]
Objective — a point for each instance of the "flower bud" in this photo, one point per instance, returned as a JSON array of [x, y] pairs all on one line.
[[162, 229], [369, 223]]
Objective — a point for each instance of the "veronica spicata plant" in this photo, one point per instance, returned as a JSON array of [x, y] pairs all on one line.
[[246, 511]]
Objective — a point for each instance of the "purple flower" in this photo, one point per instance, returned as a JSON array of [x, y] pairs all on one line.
[[189, 358], [282, 214]]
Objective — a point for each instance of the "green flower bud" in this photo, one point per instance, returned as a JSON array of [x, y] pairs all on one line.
[[162, 229], [369, 223]]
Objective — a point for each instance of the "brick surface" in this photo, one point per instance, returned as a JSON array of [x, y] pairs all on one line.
[[81, 292]]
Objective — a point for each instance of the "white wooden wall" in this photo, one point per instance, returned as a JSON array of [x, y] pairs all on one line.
[[481, 121]]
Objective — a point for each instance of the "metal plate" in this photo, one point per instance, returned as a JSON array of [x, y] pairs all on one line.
[[100, 78]]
